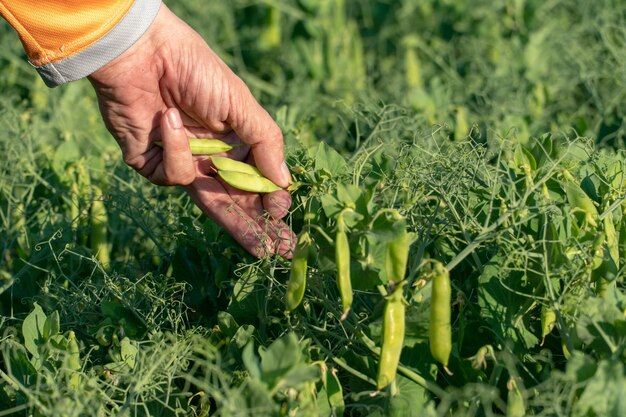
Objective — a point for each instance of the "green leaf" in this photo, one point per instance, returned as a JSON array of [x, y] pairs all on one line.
[[66, 153], [331, 205], [282, 355], [501, 307], [16, 359], [248, 297], [348, 194], [580, 367], [251, 361], [52, 326], [604, 393], [326, 158], [33, 330], [227, 324], [242, 336], [129, 352], [411, 400], [522, 157], [299, 375], [601, 325]]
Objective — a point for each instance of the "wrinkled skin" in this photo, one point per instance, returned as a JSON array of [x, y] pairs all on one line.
[[170, 86]]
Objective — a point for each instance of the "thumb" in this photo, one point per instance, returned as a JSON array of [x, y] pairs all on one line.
[[255, 127], [178, 166]]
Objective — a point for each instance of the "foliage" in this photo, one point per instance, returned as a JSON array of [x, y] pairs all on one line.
[[486, 134]]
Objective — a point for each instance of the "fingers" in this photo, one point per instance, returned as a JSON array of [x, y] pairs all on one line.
[[243, 218], [284, 237], [277, 203], [178, 167], [256, 128], [210, 196], [267, 210]]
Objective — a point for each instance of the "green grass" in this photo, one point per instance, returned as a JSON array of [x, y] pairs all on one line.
[[183, 322]]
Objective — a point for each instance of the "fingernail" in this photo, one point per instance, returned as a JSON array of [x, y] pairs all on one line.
[[285, 172], [173, 119]]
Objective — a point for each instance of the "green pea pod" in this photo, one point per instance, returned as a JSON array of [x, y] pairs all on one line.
[[412, 68], [548, 321], [440, 329], [334, 392], [515, 406], [462, 128], [248, 182], [580, 201], [342, 258], [605, 265], [73, 360], [270, 35], [393, 338], [611, 239], [99, 222], [597, 250], [297, 277], [397, 255], [227, 164], [204, 146]]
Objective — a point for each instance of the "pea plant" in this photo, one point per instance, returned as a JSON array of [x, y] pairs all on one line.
[[458, 202]]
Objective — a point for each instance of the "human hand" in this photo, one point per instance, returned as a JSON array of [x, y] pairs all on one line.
[[170, 86]]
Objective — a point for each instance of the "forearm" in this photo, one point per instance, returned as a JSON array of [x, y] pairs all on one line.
[[66, 40]]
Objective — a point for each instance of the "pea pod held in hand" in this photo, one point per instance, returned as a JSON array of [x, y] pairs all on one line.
[[297, 276], [342, 259], [248, 182], [440, 329], [204, 146], [393, 338], [243, 176], [222, 163]]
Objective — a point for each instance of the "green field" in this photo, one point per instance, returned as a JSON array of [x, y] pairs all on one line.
[[488, 134]]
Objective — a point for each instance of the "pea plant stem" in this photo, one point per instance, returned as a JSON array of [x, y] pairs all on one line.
[[353, 371], [405, 371], [486, 233]]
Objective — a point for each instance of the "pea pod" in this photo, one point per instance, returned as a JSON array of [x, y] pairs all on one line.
[[515, 406], [99, 222], [548, 321], [597, 251], [342, 259], [334, 392], [248, 182], [440, 329], [611, 239], [73, 360], [297, 276], [227, 164], [393, 338], [270, 35], [397, 255], [412, 68], [204, 146], [580, 201], [462, 128], [606, 258]]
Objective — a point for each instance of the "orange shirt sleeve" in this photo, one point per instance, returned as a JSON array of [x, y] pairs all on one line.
[[53, 31]]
